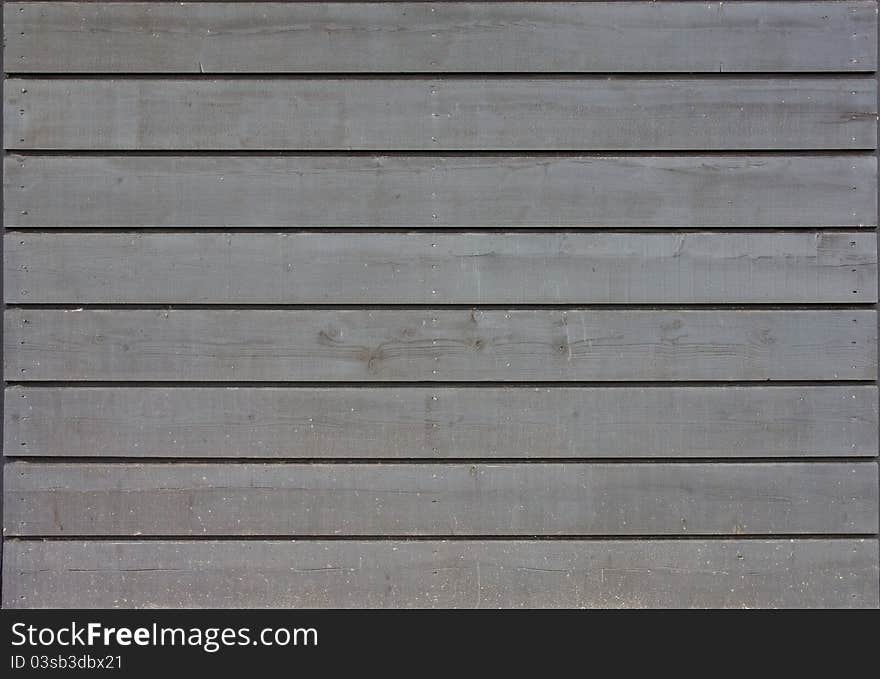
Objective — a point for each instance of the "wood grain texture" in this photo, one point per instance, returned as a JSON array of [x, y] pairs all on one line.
[[442, 574], [132, 499], [532, 37], [441, 191], [322, 182], [441, 422], [415, 268], [469, 114], [438, 345]]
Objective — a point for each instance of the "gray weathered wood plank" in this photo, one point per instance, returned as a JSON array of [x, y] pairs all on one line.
[[419, 268], [132, 499], [440, 191], [438, 345], [769, 573], [441, 422], [446, 36], [362, 454], [470, 114]]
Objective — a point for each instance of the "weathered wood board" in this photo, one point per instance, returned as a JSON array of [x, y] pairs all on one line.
[[423, 304], [840, 573], [416, 191], [441, 114], [439, 345], [533, 37], [441, 422], [101, 499], [417, 268]]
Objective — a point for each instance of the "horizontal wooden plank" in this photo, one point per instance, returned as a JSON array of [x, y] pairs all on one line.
[[131, 499], [417, 268], [441, 574], [470, 114], [441, 422], [447, 36], [442, 191], [437, 345]]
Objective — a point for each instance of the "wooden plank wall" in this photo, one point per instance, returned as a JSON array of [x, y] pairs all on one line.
[[441, 304]]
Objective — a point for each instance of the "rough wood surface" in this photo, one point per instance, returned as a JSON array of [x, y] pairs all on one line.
[[440, 191], [399, 304], [438, 345], [416, 268], [840, 573], [469, 114], [131, 499], [441, 422], [522, 37]]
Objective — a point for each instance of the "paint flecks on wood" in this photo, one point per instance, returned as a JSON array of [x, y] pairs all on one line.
[[443, 574]]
